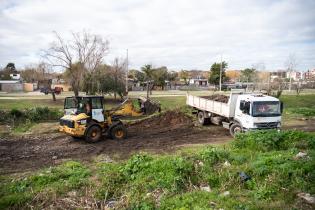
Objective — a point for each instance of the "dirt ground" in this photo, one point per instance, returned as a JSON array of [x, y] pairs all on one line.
[[161, 134]]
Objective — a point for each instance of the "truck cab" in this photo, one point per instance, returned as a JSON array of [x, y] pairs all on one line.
[[256, 111]]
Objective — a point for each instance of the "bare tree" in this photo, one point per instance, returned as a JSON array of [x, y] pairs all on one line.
[[83, 53], [291, 64], [118, 72]]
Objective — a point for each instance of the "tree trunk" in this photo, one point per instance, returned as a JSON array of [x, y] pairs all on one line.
[[76, 92], [151, 89], [53, 95], [147, 89]]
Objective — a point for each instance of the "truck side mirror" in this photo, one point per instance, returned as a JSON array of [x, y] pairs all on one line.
[[245, 106], [281, 107]]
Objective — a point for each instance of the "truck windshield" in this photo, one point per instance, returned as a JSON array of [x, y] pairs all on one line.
[[266, 109]]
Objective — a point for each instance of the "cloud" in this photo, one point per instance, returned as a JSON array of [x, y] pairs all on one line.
[[181, 34]]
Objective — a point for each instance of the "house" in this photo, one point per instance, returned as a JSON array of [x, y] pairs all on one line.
[[11, 86], [15, 75], [280, 74], [294, 75], [309, 75], [198, 82]]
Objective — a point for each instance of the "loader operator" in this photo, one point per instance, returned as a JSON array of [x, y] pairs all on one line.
[[142, 107], [88, 109]]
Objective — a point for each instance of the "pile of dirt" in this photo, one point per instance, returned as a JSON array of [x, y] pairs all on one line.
[[169, 120], [163, 133], [217, 97]]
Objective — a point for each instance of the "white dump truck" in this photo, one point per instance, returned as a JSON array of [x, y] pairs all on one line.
[[238, 112]]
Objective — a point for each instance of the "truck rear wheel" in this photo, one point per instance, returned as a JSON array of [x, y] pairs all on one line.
[[93, 134], [118, 132], [235, 128], [202, 120]]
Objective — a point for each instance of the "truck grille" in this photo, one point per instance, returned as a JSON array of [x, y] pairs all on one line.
[[267, 125], [68, 123]]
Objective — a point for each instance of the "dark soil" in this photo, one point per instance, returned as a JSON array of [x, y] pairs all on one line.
[[217, 97], [159, 134]]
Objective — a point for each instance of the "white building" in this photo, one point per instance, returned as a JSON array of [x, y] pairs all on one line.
[[15, 76], [294, 75]]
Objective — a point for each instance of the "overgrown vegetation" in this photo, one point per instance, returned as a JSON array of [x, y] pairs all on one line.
[[22, 120], [52, 181], [206, 178]]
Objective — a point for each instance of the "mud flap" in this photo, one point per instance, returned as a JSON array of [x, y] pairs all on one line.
[[226, 125]]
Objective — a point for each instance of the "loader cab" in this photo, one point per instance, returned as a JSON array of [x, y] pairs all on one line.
[[92, 106]]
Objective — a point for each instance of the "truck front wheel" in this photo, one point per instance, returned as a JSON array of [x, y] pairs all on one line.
[[235, 128]]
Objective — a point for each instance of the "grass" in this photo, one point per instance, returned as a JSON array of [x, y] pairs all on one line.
[[175, 181], [8, 104], [52, 181]]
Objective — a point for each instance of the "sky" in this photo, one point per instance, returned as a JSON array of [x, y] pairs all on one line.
[[179, 34]]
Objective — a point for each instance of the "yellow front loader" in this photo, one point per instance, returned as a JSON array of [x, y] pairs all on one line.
[[85, 117]]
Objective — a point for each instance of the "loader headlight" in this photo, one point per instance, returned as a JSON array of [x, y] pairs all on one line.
[[82, 122]]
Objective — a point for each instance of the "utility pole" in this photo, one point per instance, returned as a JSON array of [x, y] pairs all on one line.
[[127, 73], [220, 74]]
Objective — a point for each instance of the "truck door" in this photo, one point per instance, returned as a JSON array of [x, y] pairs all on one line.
[[243, 114], [97, 109]]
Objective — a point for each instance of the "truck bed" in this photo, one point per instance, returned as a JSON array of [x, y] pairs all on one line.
[[204, 104]]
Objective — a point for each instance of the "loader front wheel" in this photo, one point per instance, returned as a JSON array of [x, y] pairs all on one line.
[[118, 132], [235, 128], [93, 134]]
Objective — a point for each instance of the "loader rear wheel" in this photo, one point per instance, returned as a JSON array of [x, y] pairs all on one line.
[[118, 132], [93, 134], [235, 128]]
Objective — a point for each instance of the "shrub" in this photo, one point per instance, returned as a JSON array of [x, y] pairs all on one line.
[[305, 111], [29, 116], [274, 140], [67, 176]]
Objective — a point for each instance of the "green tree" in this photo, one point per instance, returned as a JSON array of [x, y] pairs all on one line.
[[184, 75], [159, 76], [148, 75], [10, 66], [172, 77], [136, 75], [214, 77], [248, 75]]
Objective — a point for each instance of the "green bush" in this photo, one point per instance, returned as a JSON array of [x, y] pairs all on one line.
[[273, 140], [67, 176], [305, 111], [31, 115]]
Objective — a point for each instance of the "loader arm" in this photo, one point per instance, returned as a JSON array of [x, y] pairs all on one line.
[[126, 108]]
